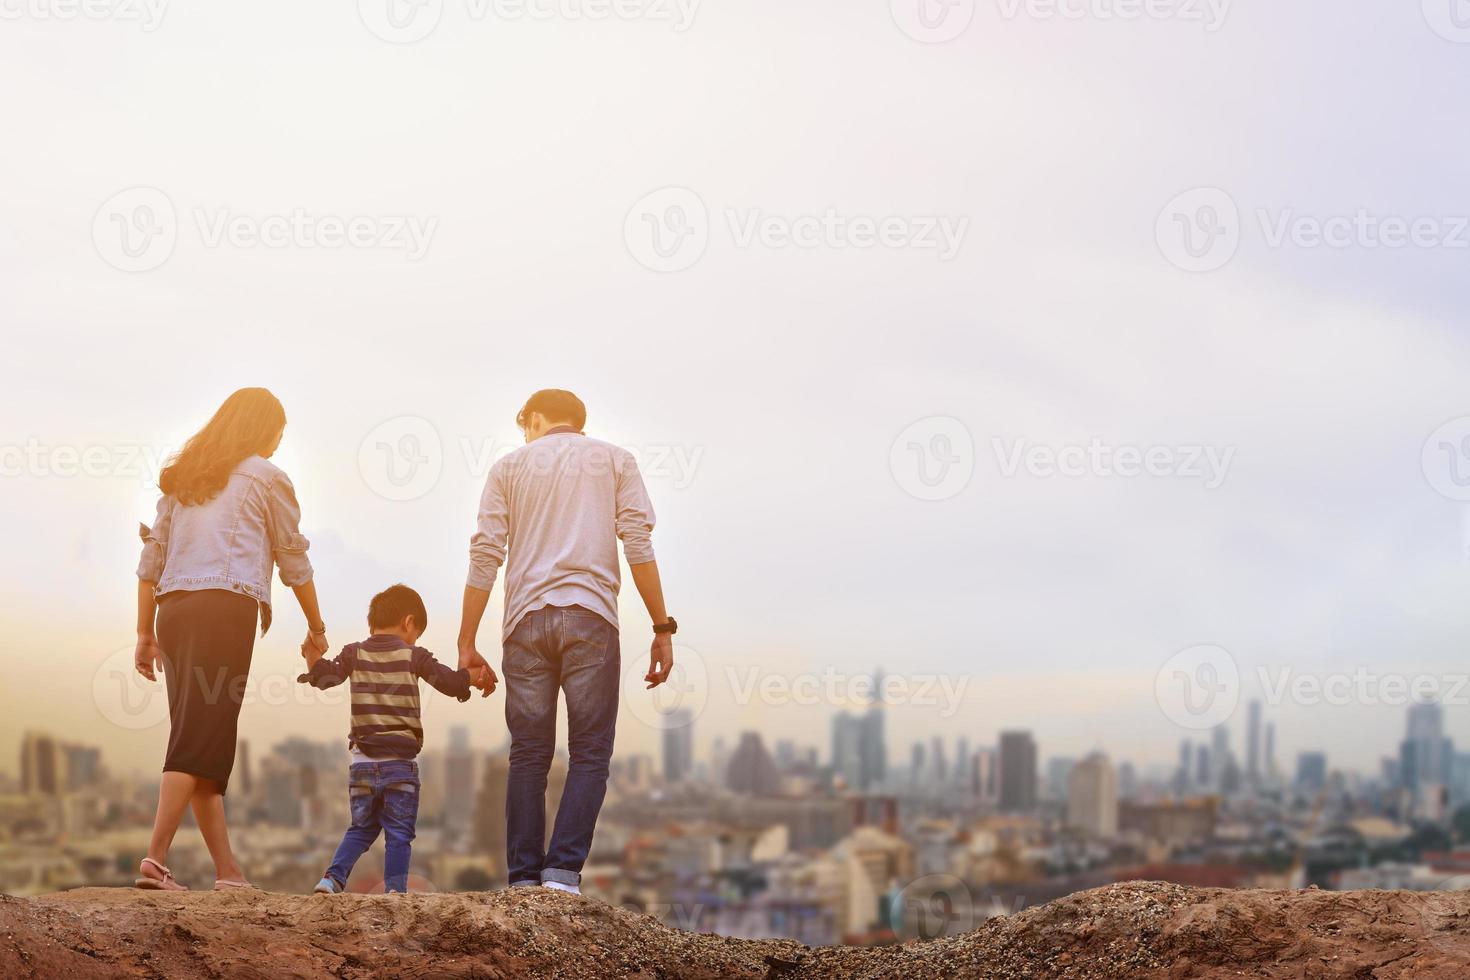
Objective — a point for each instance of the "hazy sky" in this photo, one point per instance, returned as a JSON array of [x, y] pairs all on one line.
[[1034, 178]]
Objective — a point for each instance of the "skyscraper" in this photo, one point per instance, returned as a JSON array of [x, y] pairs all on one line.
[[987, 776], [459, 781], [1220, 761], [1253, 744], [874, 740], [859, 745], [1272, 773], [1204, 776], [1092, 797], [1017, 772], [1426, 759], [1058, 772], [40, 765], [1311, 771], [678, 745], [752, 771], [847, 749], [940, 763]]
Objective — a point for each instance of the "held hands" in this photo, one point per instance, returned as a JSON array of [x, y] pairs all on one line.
[[313, 648], [148, 657], [660, 660], [482, 675]]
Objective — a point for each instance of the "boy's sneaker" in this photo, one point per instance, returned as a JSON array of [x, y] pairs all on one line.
[[573, 889], [327, 887]]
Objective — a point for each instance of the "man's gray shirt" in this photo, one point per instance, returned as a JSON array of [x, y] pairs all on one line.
[[557, 506]]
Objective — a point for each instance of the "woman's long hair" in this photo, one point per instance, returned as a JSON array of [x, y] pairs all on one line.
[[246, 425]]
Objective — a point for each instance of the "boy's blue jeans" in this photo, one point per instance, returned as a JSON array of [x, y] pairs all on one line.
[[552, 650], [384, 797]]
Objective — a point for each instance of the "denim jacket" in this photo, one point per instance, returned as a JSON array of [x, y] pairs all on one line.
[[231, 541]]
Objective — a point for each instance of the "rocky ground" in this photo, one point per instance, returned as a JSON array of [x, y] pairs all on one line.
[[1138, 929]]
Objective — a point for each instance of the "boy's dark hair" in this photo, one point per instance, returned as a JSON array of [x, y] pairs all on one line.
[[392, 604], [557, 405]]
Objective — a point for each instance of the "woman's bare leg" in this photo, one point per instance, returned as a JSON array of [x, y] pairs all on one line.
[[174, 794], [209, 813]]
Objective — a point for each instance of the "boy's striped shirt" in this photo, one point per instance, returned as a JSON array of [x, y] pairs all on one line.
[[384, 673]]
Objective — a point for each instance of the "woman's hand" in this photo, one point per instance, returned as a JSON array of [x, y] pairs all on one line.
[[314, 647], [148, 657]]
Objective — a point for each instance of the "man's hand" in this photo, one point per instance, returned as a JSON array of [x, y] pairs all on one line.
[[660, 660], [482, 675], [148, 657]]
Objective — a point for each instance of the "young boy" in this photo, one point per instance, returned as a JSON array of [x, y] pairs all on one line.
[[383, 781]]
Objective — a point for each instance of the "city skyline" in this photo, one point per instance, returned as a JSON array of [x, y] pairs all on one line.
[[325, 720]]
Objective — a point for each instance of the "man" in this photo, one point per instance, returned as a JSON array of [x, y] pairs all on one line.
[[557, 506]]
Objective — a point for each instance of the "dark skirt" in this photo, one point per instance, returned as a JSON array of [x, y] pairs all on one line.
[[207, 638]]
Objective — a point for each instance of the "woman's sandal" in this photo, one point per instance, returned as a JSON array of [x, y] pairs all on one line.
[[224, 885], [165, 884]]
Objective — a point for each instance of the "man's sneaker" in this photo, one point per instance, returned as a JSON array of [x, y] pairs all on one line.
[[327, 887], [572, 889]]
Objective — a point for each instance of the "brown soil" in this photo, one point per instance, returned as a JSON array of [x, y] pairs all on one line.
[[1137, 929]]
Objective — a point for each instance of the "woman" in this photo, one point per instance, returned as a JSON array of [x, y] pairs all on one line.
[[225, 517]]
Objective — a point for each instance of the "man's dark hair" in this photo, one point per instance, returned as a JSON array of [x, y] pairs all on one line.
[[392, 604], [557, 405]]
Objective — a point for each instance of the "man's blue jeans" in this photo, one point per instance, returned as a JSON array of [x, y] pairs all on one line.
[[384, 797], [556, 649]]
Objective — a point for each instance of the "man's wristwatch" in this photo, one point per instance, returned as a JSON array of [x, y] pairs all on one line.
[[317, 632], [671, 627]]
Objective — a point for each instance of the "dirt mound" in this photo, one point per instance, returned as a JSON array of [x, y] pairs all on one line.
[[1138, 929]]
